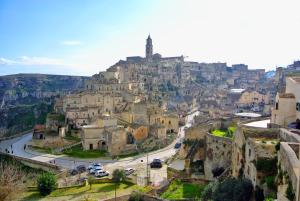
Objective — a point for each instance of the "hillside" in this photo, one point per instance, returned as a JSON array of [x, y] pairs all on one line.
[[25, 99]]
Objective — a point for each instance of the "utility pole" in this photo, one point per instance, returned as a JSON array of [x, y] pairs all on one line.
[[148, 175], [115, 192]]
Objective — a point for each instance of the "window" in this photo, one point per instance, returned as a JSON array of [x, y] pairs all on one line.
[[298, 107], [249, 152], [277, 105], [169, 122]]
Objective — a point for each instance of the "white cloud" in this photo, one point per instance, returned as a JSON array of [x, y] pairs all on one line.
[[4, 61], [71, 42], [33, 61]]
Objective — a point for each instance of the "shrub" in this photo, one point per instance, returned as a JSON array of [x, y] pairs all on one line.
[[289, 193], [46, 183], [135, 196], [233, 190], [259, 194], [208, 191], [270, 180]]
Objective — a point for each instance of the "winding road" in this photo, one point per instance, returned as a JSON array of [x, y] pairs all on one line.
[[17, 145]]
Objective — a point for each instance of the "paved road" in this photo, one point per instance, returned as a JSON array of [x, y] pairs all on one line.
[[17, 146]]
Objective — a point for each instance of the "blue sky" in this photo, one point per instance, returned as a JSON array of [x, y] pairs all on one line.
[[85, 37]]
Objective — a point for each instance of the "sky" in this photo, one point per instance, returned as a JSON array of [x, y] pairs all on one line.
[[83, 37]]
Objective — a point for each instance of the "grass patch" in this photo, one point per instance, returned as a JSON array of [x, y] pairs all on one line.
[[41, 149], [180, 190], [78, 152], [98, 191], [72, 138], [224, 133], [219, 133]]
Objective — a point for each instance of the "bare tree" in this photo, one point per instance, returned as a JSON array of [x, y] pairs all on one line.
[[11, 180]]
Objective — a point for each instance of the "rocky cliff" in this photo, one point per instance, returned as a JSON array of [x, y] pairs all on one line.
[[25, 99]]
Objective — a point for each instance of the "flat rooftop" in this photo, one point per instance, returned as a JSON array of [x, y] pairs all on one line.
[[259, 124], [248, 114], [237, 90]]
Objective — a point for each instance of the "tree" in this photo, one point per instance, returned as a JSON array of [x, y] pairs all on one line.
[[233, 189], [91, 180], [118, 176], [11, 180], [46, 183], [208, 191]]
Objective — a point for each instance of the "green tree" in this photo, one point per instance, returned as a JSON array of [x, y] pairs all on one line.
[[118, 176], [90, 181], [233, 189], [46, 183], [207, 193]]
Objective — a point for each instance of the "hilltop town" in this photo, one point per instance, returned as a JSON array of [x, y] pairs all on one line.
[[203, 122]]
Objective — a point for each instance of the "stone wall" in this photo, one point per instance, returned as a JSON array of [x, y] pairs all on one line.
[[35, 164], [288, 136], [218, 154], [289, 162]]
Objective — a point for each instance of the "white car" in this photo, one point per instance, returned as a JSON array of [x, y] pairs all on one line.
[[93, 165], [129, 171], [95, 169], [101, 173]]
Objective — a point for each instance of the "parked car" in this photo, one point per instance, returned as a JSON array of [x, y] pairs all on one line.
[[96, 168], [74, 172], [81, 168], [93, 165], [101, 173], [177, 145], [156, 163], [129, 171]]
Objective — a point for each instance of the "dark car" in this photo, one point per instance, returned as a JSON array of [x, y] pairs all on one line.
[[74, 172], [177, 145], [156, 163], [81, 168]]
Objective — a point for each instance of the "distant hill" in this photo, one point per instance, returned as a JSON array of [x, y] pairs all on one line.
[[25, 99]]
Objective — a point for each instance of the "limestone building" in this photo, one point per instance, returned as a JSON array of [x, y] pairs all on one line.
[[287, 106]]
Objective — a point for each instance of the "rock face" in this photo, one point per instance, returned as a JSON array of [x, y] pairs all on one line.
[[25, 99]]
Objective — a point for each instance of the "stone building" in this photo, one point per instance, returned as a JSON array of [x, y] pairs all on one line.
[[245, 134], [257, 150], [111, 139], [287, 106]]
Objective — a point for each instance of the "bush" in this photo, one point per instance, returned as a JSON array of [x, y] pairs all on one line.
[[233, 190], [208, 191], [289, 193], [135, 196], [270, 180], [46, 183]]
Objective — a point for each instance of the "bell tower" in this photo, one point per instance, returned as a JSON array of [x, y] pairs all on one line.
[[149, 48]]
